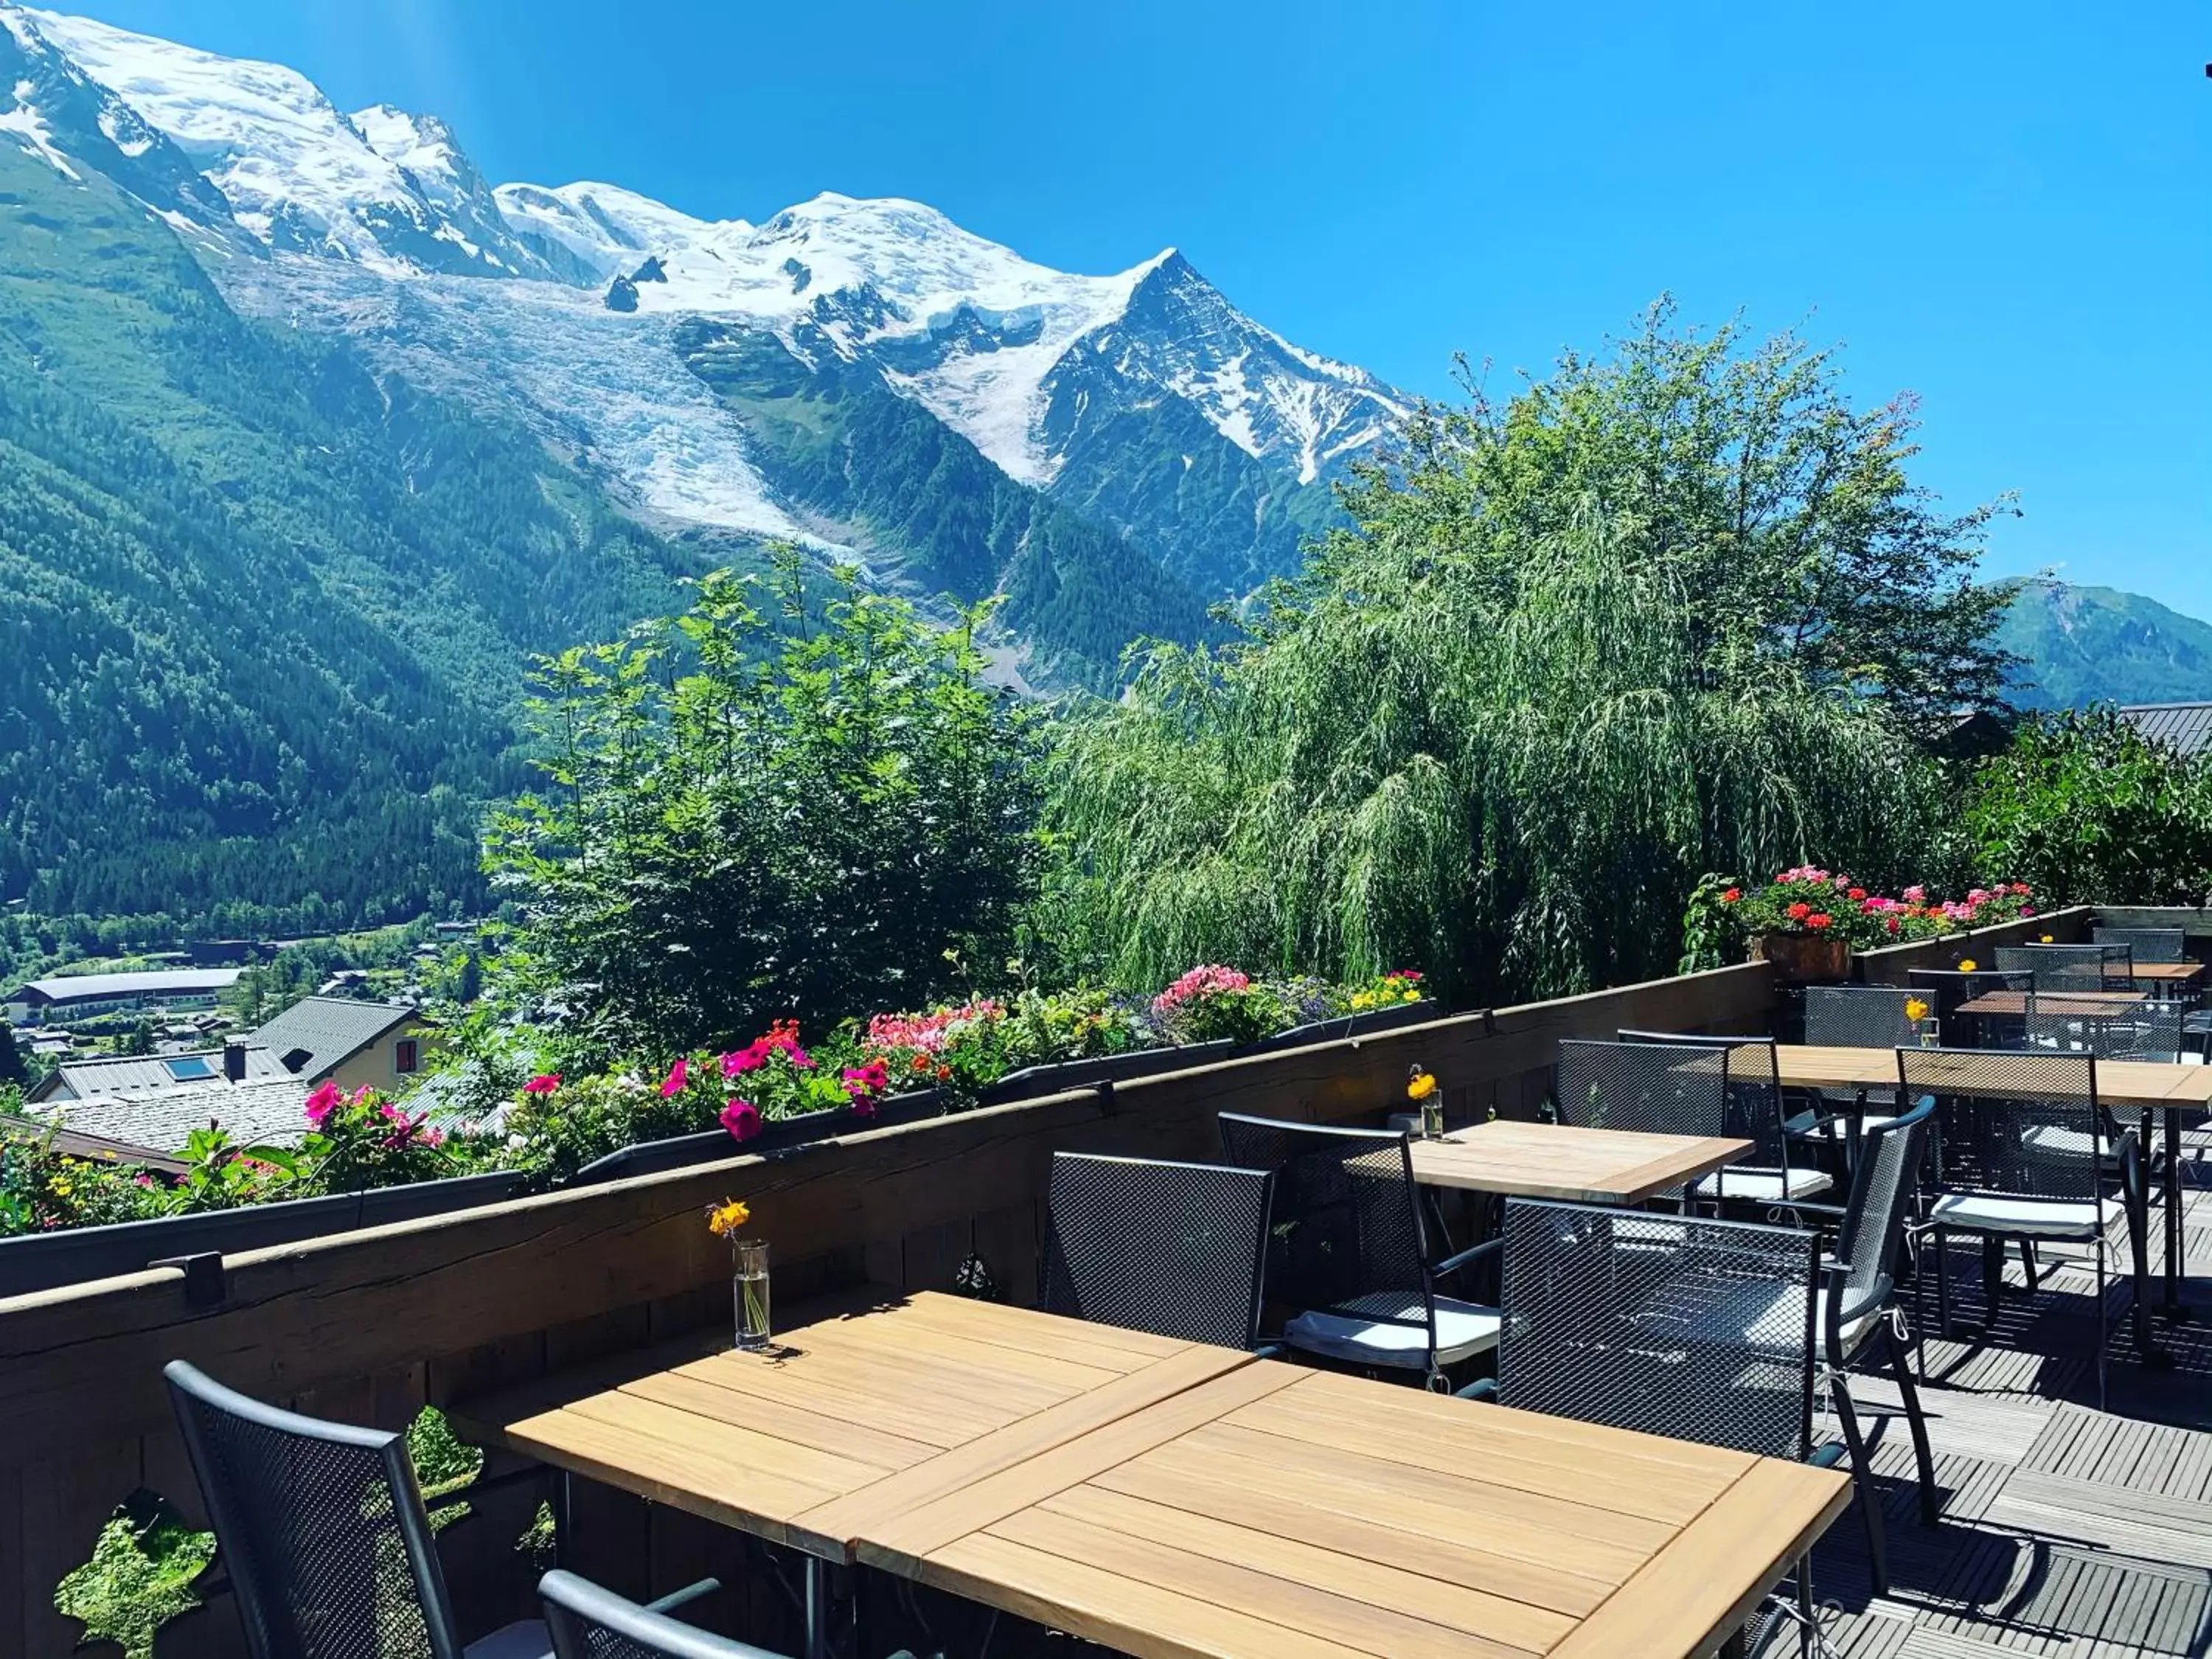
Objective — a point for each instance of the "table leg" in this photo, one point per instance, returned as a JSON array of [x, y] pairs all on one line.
[[2172, 1307], [817, 1607]]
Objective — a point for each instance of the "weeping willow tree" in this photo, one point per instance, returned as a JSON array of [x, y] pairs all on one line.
[[1573, 655]]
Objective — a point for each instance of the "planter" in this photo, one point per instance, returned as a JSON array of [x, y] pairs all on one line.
[[41, 1261], [1336, 1029], [681, 1152], [1075, 1073], [1804, 959]]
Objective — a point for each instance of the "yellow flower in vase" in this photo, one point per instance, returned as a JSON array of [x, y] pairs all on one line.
[[726, 1217], [1967, 965], [1915, 1009], [1420, 1086]]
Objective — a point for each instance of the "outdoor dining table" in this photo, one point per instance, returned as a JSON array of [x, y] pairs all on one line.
[[1571, 1165], [1173, 1499], [2145, 1086], [2081, 1005], [2175, 973]]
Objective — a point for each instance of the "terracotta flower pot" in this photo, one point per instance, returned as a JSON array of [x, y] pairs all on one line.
[[1804, 959]]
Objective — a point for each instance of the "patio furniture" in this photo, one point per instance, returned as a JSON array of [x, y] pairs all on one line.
[[1511, 1159], [590, 1622], [1949, 989], [2146, 1030], [2071, 967], [1694, 1327], [1705, 1087], [323, 1533], [2146, 944], [2022, 1155], [853, 1417], [1177, 1249], [1348, 1259], [1281, 1510]]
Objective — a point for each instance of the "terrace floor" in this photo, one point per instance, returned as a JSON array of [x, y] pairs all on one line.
[[2066, 1530]]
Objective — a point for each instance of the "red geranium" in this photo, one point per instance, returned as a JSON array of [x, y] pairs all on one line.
[[1817, 921], [1798, 911]]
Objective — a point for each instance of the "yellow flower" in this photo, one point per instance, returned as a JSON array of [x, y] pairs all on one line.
[[1420, 1086], [727, 1217], [1362, 1000], [1966, 966], [1915, 1008], [2045, 939], [61, 1188]]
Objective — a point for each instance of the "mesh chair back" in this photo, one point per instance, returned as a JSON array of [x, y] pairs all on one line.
[[1860, 1016], [589, 1622], [2146, 944], [1883, 1183], [1656, 1088], [2148, 1031], [1753, 1110], [1347, 1220], [321, 1527], [1693, 1328], [2025, 1125], [2071, 967], [1173, 1248]]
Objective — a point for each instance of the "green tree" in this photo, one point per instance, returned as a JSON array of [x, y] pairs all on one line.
[[12, 1069], [1676, 612], [768, 807], [2085, 810]]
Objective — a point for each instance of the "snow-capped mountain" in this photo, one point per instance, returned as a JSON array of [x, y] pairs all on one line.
[[710, 369]]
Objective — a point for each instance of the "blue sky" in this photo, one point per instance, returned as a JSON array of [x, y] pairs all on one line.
[[2005, 209]]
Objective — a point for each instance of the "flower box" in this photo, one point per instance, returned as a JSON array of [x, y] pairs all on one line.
[[681, 1152], [1804, 959]]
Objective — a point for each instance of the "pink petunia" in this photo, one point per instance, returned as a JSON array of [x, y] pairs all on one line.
[[745, 1060], [742, 1119], [321, 1104], [679, 1075], [544, 1083]]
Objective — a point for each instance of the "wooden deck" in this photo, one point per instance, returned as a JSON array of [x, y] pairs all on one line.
[[2066, 1531]]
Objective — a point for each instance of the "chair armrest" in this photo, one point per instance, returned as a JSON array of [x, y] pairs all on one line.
[[1483, 1387], [1827, 1457], [685, 1596], [1269, 1351], [1453, 1263]]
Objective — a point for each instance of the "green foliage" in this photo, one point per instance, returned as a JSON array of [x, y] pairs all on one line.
[[540, 1540], [444, 1464], [2085, 811], [1675, 612], [748, 818], [139, 1577], [12, 1073]]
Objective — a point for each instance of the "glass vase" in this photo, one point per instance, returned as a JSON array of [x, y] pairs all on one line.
[[1931, 1033], [748, 1294], [1432, 1115]]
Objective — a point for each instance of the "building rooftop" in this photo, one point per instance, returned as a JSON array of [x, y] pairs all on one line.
[[129, 1074], [172, 981], [2183, 726], [326, 1030], [160, 1121]]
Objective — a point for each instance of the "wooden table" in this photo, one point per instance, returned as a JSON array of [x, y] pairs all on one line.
[[2083, 1005], [1305, 1515], [2179, 973], [853, 1420], [1575, 1166]]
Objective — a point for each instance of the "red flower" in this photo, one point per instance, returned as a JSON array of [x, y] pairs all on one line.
[[544, 1083], [742, 1119], [1856, 893], [322, 1104], [1817, 921], [746, 1059], [1891, 924], [679, 1075], [1799, 911], [1732, 895]]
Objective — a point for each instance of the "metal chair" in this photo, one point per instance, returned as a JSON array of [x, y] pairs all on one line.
[[2148, 1031], [2071, 967], [1854, 1016], [1347, 1254], [589, 1622], [1689, 1326], [1659, 1083], [1949, 988], [322, 1531], [2022, 1155], [1177, 1249], [2146, 944]]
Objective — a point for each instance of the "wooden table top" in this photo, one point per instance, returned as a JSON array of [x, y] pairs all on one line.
[[2167, 971], [853, 1418], [2120, 1083], [2083, 1005], [1297, 1514], [1576, 1166]]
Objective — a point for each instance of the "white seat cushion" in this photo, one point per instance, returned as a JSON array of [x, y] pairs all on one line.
[[2029, 1218], [1761, 1186], [1463, 1329], [1773, 1316], [526, 1638]]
